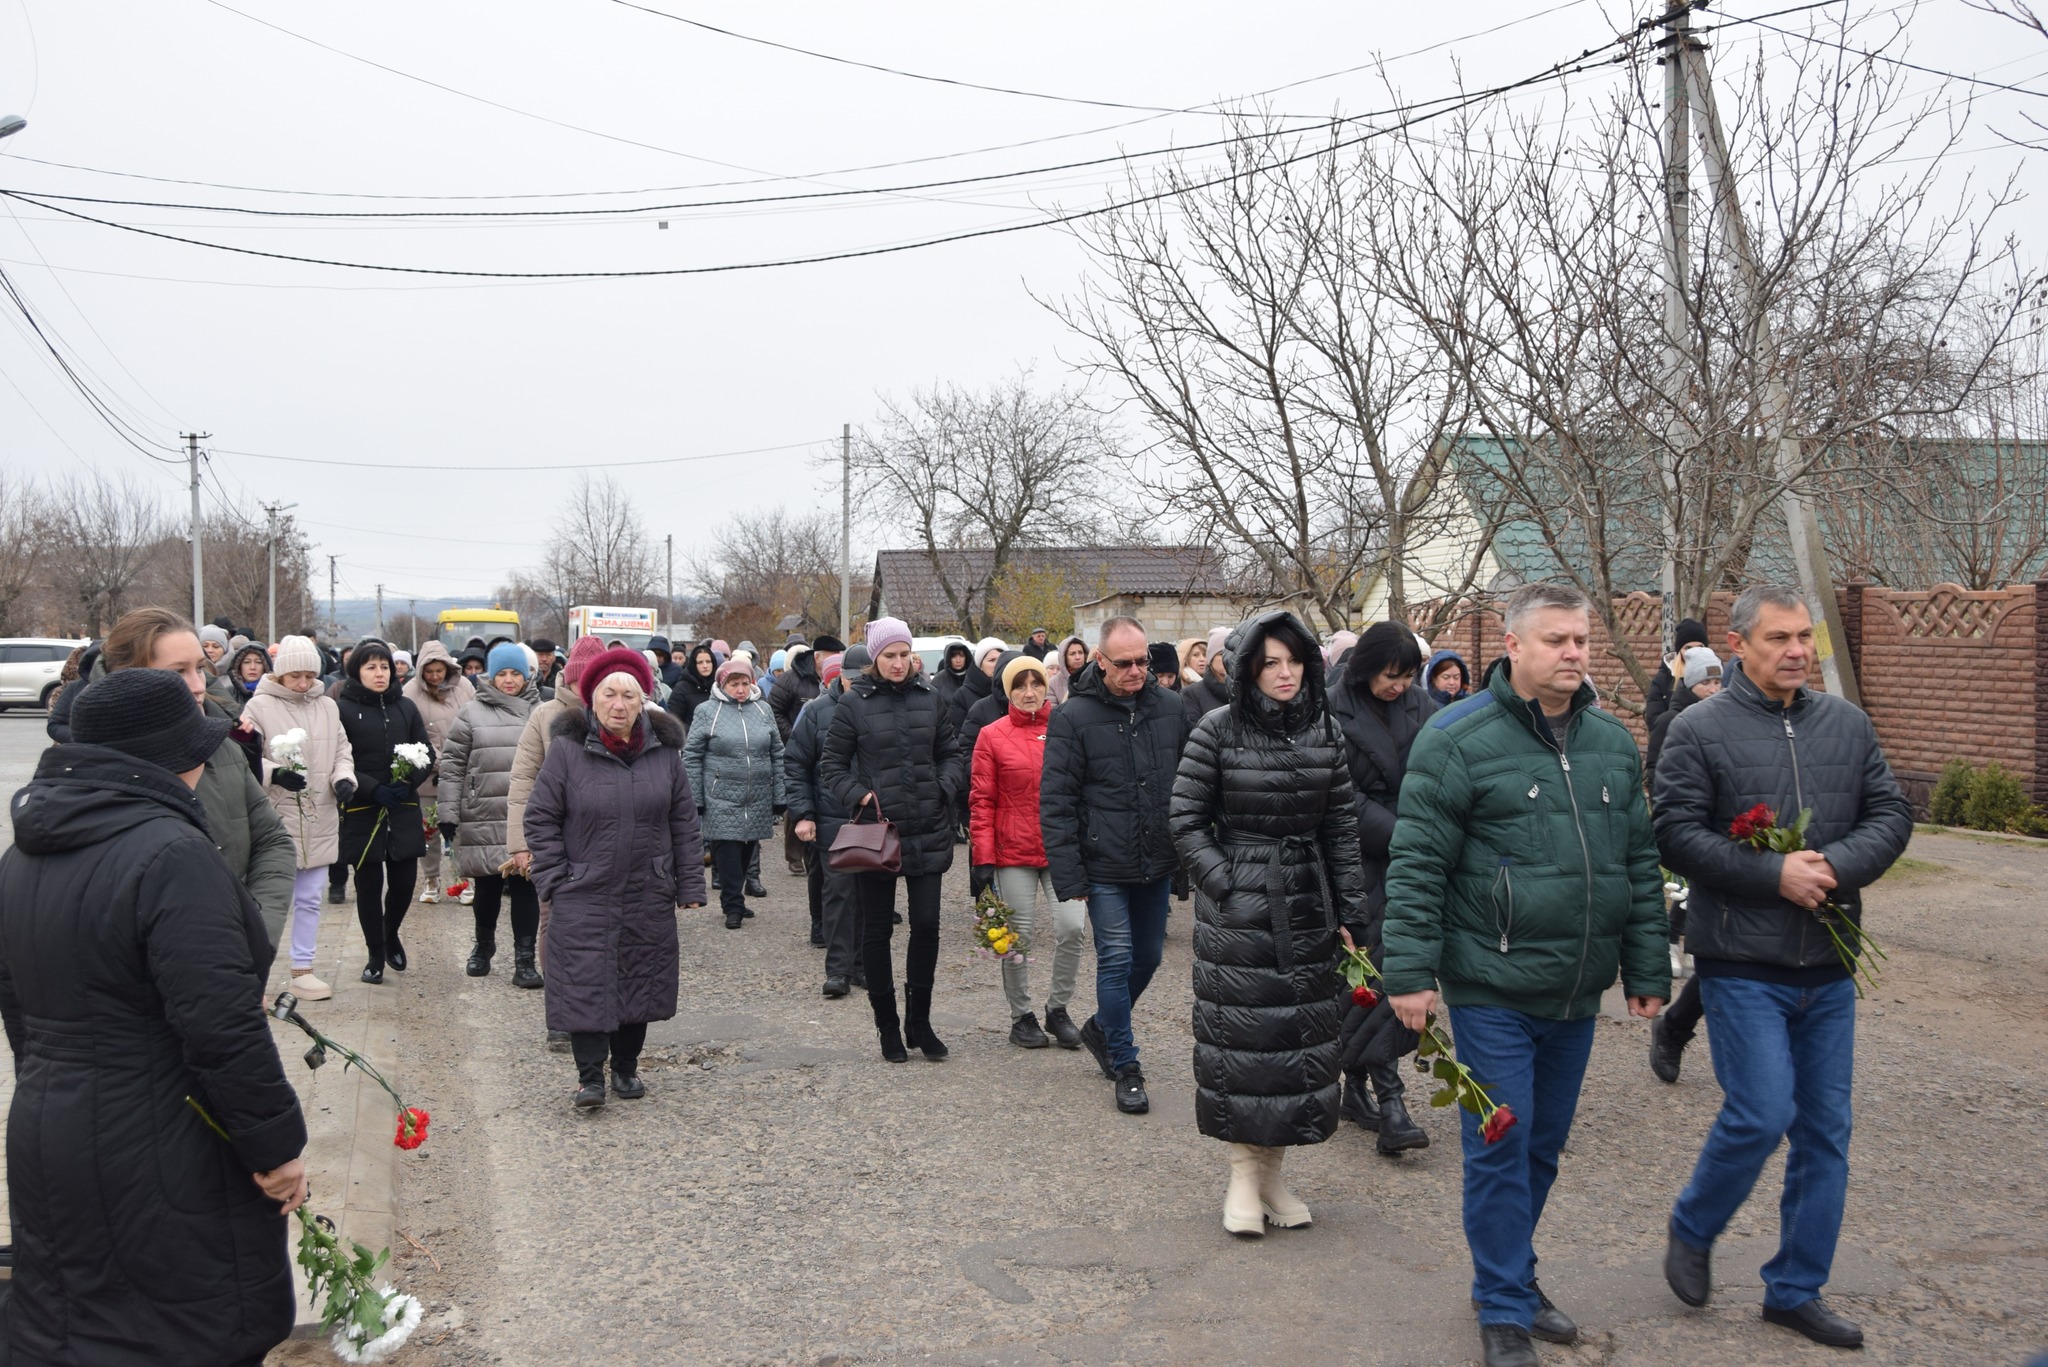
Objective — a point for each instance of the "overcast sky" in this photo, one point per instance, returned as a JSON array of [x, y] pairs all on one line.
[[448, 378]]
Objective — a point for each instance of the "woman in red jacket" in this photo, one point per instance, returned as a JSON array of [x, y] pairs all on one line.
[[1002, 812]]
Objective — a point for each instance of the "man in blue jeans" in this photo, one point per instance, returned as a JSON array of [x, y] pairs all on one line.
[[1522, 874], [1110, 754], [1780, 1002]]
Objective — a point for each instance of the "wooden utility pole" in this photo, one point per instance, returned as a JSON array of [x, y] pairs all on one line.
[[1809, 551]]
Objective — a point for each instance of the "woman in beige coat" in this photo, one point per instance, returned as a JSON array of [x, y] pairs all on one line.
[[307, 795], [438, 689]]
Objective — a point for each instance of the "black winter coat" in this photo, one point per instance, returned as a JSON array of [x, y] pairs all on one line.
[[994, 706], [1200, 699], [1376, 740], [376, 725], [973, 688], [888, 739], [131, 965], [807, 802], [1109, 765], [1725, 754], [946, 682], [1263, 814], [797, 686], [1676, 701]]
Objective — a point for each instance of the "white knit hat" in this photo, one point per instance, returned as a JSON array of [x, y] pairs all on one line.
[[296, 654]]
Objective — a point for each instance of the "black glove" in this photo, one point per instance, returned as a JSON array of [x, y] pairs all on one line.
[[780, 808], [289, 781], [448, 829], [344, 791], [980, 878], [393, 794]]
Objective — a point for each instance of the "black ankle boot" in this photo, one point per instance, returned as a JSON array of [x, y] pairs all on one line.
[[479, 965], [887, 1024], [1359, 1105], [1398, 1130], [917, 1022], [394, 952], [524, 974], [590, 1084]]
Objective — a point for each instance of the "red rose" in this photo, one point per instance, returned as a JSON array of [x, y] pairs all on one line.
[[1499, 1123], [1365, 996], [1757, 819], [412, 1128]]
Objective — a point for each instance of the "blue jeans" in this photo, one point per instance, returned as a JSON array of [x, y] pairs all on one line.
[[1783, 1057], [1130, 937], [1533, 1067]]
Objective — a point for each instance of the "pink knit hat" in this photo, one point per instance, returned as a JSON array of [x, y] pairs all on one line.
[[884, 632], [586, 649]]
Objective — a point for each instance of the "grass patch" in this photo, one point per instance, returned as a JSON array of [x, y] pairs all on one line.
[[1906, 863]]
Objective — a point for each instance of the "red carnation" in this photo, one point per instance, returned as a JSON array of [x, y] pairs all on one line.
[[1365, 996], [458, 889], [1499, 1123], [412, 1128]]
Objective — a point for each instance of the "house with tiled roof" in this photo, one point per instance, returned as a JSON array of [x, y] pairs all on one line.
[[1061, 588]]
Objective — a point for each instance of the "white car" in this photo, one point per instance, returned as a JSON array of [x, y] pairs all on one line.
[[932, 650], [29, 666]]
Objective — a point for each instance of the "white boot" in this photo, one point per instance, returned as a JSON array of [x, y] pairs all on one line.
[[1242, 1212], [1281, 1206]]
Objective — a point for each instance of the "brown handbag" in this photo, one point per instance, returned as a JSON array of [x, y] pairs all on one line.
[[866, 847]]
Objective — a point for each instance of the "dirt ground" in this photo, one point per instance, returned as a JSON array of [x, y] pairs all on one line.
[[785, 1196]]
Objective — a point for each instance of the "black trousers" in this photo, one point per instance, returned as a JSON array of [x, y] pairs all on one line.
[[494, 888], [877, 893], [337, 875], [1682, 1017], [729, 861], [381, 910], [589, 1048]]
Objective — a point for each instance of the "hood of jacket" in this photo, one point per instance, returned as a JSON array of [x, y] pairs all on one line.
[[269, 687], [429, 653], [83, 795], [1435, 661], [803, 662], [231, 670], [1247, 703]]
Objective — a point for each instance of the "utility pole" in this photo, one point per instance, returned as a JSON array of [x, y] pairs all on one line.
[[270, 515], [1678, 434], [192, 440], [333, 626], [846, 533], [1809, 551], [380, 612], [669, 617], [412, 615]]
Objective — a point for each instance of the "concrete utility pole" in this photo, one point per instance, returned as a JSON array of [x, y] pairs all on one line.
[[1678, 434], [412, 615], [846, 533], [333, 626], [670, 615], [380, 612], [192, 440], [270, 514], [1809, 551]]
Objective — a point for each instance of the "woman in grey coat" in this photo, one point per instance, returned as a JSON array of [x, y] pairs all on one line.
[[476, 774], [734, 755], [612, 827]]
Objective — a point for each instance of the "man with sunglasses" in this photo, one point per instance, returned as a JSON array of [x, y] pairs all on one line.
[[1110, 755]]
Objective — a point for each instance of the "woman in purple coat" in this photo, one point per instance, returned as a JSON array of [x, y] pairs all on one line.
[[613, 829]]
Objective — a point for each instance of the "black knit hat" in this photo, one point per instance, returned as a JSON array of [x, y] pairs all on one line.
[[149, 714], [1691, 631]]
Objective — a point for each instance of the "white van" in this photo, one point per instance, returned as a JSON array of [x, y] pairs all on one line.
[[932, 650], [29, 666]]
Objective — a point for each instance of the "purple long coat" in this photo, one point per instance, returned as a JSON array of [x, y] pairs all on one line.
[[616, 848]]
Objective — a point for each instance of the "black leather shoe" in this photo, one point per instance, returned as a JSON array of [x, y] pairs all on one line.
[[1551, 1324], [756, 888], [1130, 1091], [1689, 1270], [1665, 1051], [817, 936], [394, 953], [589, 1096], [1506, 1345], [337, 895], [1025, 1034], [479, 965], [373, 973], [857, 980], [733, 920], [628, 1085], [1359, 1105], [1818, 1323], [1091, 1035], [836, 986], [1061, 1027]]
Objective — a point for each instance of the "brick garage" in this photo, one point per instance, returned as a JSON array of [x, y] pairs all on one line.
[[1946, 673]]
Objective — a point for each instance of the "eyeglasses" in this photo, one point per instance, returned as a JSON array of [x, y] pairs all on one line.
[[1135, 662]]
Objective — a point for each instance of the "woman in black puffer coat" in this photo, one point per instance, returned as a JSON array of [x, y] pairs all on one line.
[[890, 754], [382, 833], [1262, 813]]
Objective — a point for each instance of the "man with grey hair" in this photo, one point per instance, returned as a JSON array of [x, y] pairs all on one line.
[[1782, 1000], [1522, 875]]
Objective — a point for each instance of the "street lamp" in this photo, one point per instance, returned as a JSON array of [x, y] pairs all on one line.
[[11, 124]]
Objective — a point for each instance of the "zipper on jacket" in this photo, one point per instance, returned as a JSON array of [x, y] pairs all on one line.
[[1502, 879], [1799, 798], [1586, 862]]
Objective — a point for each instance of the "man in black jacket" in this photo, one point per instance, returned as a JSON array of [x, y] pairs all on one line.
[[1110, 755], [1782, 1001]]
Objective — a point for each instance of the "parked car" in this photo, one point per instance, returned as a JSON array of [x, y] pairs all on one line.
[[29, 666], [932, 649]]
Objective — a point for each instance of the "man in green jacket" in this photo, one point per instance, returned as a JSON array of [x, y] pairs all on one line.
[[1523, 873]]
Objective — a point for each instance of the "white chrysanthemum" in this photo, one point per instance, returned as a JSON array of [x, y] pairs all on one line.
[[415, 754], [289, 749], [401, 1316]]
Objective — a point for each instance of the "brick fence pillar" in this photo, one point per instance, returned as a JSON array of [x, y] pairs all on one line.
[[2040, 727]]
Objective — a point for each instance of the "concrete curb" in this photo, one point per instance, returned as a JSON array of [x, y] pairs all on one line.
[[350, 1159]]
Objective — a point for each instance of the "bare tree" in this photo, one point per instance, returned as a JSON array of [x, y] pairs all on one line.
[[24, 518], [764, 567], [103, 536], [600, 551], [997, 470]]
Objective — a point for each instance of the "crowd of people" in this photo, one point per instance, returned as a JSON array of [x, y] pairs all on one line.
[[1491, 844]]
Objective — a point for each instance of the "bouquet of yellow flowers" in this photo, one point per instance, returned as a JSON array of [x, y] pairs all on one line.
[[994, 937]]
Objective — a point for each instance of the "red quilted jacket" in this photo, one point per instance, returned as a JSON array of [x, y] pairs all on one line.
[[1002, 803]]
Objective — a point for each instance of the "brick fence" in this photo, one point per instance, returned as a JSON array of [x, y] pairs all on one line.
[[1947, 673]]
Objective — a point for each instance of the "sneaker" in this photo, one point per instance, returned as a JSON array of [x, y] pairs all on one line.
[[1130, 1091], [430, 896], [468, 894], [1667, 1051], [1061, 1027], [1091, 1035], [308, 988], [336, 896], [1025, 1034]]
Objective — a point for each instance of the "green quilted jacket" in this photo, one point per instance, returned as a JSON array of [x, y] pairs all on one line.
[[1522, 875]]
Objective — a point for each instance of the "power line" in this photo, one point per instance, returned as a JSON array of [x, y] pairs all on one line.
[[1451, 104], [514, 469], [1819, 41], [133, 436]]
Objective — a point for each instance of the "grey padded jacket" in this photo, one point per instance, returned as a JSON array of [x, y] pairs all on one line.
[[476, 775]]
